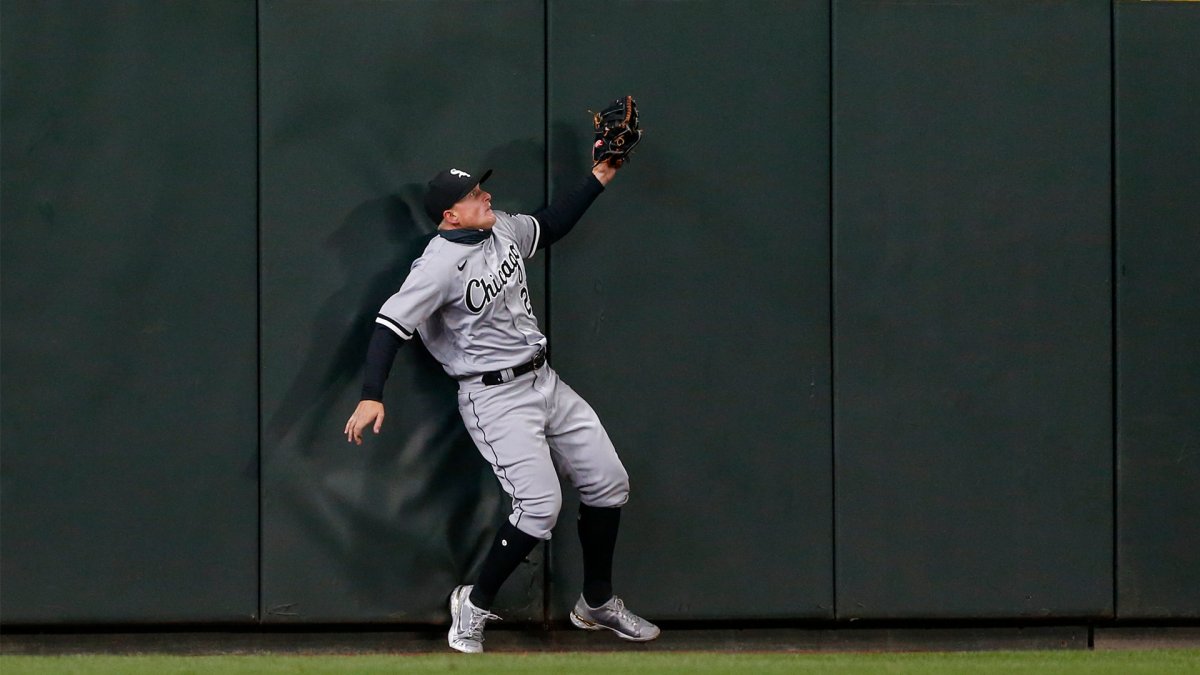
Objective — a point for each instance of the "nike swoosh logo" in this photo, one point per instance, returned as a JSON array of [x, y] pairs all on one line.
[[462, 265]]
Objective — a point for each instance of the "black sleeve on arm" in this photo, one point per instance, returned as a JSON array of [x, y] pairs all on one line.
[[559, 217], [380, 354]]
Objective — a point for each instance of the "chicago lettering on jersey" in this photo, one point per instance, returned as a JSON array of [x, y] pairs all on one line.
[[481, 291]]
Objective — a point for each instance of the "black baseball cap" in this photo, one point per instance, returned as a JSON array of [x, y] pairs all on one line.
[[447, 188]]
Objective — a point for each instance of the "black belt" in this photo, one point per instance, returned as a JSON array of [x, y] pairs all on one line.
[[502, 376]]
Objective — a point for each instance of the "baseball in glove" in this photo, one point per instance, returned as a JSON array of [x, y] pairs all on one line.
[[617, 132]]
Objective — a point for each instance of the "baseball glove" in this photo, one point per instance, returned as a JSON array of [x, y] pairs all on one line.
[[617, 131]]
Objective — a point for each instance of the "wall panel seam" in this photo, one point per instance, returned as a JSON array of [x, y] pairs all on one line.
[[547, 549], [1114, 305], [832, 333], [258, 291]]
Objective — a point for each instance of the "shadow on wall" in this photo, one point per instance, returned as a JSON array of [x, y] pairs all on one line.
[[311, 406], [411, 512], [412, 507]]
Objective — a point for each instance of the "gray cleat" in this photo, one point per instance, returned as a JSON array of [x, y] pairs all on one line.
[[466, 622], [614, 616]]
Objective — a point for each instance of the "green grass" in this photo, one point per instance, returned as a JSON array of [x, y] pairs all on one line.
[[1066, 662]]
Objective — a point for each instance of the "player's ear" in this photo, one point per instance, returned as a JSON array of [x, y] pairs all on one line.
[[449, 216]]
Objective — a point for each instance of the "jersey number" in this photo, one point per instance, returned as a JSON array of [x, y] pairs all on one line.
[[525, 300]]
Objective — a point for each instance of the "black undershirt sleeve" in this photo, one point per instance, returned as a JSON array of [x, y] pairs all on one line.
[[380, 354], [560, 216]]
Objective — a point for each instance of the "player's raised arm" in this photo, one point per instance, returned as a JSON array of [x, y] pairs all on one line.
[[617, 133], [560, 216]]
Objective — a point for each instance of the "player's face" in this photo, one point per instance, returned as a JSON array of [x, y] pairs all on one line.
[[475, 210]]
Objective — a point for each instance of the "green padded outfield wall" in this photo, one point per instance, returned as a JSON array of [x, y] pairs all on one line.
[[362, 102], [972, 304], [691, 305], [1158, 310], [130, 489], [176, 228]]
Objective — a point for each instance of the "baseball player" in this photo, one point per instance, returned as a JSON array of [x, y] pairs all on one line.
[[466, 296]]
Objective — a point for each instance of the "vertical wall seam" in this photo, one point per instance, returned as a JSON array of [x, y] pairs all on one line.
[[548, 547], [832, 336], [1114, 272], [258, 284]]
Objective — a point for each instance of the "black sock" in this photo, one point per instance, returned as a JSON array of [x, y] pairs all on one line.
[[509, 548], [598, 535]]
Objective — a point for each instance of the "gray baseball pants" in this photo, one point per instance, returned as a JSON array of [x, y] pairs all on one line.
[[532, 428]]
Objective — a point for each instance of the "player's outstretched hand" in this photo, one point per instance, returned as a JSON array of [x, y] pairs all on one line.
[[365, 414], [604, 171]]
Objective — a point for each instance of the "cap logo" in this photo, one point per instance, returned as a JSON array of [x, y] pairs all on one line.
[[456, 172]]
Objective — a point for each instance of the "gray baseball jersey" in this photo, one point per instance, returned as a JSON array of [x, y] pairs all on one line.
[[470, 302]]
